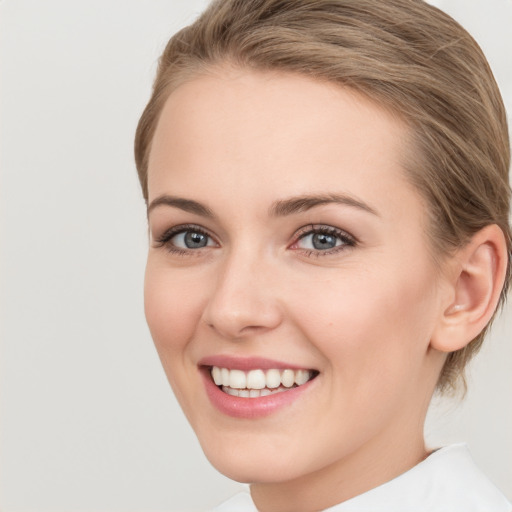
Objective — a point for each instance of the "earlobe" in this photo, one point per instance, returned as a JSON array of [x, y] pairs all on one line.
[[478, 278]]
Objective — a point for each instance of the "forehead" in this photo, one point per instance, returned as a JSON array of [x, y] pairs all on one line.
[[235, 130]]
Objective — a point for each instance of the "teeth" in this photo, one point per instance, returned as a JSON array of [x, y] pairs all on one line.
[[273, 379], [237, 379], [230, 391], [225, 376], [217, 375], [256, 383], [252, 393], [256, 379], [301, 377], [288, 378]]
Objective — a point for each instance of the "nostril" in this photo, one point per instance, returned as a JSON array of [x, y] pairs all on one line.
[[237, 324]]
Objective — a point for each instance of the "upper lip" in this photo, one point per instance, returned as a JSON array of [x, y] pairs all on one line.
[[248, 363]]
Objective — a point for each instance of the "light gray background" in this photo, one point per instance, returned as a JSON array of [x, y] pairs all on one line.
[[87, 419]]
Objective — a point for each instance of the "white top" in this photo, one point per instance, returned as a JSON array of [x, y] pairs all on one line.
[[446, 481]]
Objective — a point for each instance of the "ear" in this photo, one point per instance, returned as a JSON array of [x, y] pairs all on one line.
[[477, 274]]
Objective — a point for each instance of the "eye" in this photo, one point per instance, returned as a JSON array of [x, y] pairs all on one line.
[[323, 239], [181, 239], [190, 240], [319, 241]]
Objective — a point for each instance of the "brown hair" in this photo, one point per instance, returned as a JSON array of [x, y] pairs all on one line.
[[403, 54]]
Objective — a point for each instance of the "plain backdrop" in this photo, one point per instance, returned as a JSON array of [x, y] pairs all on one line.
[[88, 422]]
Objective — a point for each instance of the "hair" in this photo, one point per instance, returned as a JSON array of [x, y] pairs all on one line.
[[404, 55]]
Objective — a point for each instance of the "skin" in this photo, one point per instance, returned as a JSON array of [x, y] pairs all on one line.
[[362, 314]]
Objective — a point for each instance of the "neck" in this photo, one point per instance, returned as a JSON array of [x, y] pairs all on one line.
[[394, 451], [368, 467]]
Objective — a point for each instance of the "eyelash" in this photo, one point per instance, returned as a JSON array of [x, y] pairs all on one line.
[[165, 239], [348, 241]]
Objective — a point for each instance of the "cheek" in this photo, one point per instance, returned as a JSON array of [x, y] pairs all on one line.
[[173, 309], [372, 325], [173, 312]]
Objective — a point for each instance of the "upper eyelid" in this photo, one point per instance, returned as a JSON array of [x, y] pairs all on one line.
[[349, 241], [167, 234], [298, 233], [316, 228]]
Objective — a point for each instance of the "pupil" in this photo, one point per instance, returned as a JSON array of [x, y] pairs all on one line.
[[195, 240], [323, 241]]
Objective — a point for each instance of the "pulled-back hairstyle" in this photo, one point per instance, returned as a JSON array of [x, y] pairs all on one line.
[[406, 56]]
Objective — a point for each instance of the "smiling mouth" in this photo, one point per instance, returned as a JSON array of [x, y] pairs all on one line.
[[257, 383]]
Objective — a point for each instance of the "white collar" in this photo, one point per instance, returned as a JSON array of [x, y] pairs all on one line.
[[446, 481]]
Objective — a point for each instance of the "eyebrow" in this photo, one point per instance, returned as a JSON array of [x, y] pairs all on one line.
[[187, 205], [279, 208], [303, 203]]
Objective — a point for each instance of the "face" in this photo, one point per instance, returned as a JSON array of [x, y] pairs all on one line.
[[290, 290]]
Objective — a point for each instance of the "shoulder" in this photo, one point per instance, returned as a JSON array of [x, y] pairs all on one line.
[[446, 481], [240, 502]]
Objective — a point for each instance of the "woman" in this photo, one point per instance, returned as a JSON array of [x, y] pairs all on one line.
[[328, 198]]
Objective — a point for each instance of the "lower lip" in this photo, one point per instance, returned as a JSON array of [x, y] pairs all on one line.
[[240, 407]]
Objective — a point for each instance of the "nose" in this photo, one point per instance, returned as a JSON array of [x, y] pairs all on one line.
[[243, 301]]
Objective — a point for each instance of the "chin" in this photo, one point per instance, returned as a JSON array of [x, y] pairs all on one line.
[[246, 468], [250, 459]]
